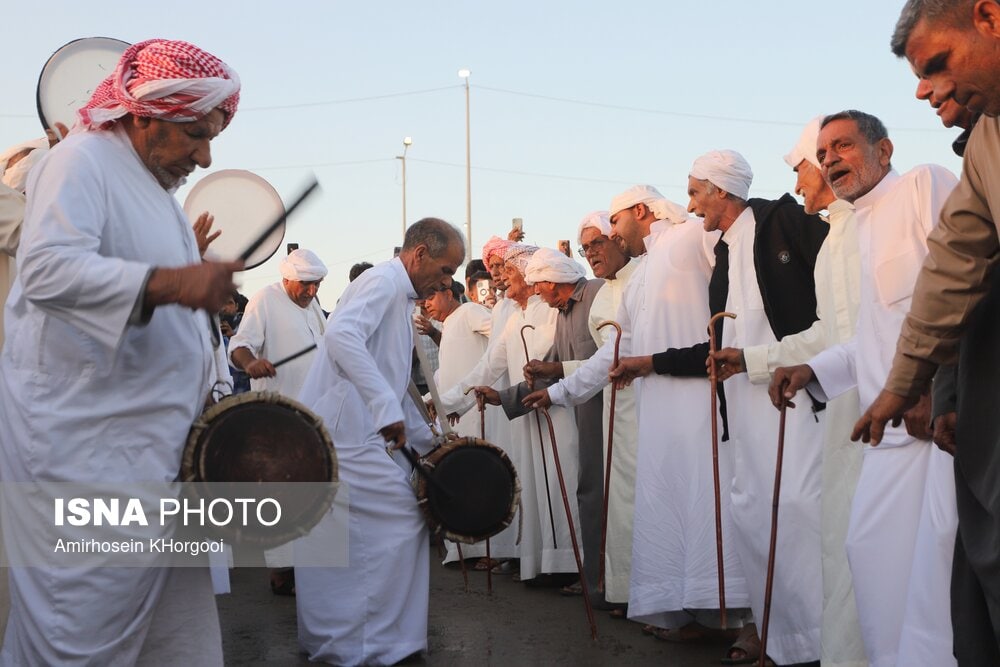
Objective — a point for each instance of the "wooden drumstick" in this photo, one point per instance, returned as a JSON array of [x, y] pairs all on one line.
[[311, 188], [713, 380], [541, 440], [611, 439], [572, 530], [768, 588]]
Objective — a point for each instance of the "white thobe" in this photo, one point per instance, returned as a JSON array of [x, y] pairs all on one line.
[[540, 551], [797, 600], [374, 610], [900, 476], [87, 397], [674, 557], [837, 276], [621, 487], [274, 327], [11, 215]]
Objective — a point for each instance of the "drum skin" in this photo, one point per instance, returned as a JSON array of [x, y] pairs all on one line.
[[263, 437], [477, 490]]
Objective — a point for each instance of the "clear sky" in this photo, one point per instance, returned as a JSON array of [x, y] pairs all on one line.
[[571, 101]]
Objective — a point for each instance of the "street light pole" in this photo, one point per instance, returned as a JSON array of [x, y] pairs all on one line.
[[464, 74], [407, 142]]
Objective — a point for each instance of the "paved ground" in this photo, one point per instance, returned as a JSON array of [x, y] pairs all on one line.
[[515, 626]]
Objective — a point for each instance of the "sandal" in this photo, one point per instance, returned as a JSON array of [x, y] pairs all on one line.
[[484, 564], [619, 613], [746, 649], [694, 633]]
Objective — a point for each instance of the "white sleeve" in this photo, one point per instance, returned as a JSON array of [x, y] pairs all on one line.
[[835, 370], [487, 370], [251, 332], [761, 360]]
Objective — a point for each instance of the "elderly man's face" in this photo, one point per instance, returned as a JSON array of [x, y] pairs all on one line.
[[850, 164], [809, 184], [605, 256], [433, 273], [171, 151], [959, 63], [516, 287], [549, 293], [707, 202], [302, 292], [496, 268]]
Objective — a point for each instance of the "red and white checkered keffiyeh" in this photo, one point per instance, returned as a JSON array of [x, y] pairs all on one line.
[[167, 79], [495, 246]]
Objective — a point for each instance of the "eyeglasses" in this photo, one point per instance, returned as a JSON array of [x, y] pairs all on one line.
[[593, 245]]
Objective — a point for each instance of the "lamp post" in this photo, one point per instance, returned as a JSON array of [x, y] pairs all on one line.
[[407, 142], [464, 74]]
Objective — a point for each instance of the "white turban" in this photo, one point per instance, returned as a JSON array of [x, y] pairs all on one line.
[[17, 176], [661, 207], [726, 170], [548, 265], [806, 148], [302, 265], [599, 220]]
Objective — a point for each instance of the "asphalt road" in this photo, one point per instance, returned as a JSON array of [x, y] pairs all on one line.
[[516, 625]]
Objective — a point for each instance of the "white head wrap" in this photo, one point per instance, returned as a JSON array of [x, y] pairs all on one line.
[[548, 265], [599, 220], [726, 170], [518, 254], [806, 148], [17, 176], [661, 207], [302, 265]]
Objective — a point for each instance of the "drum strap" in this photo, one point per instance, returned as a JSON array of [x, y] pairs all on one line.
[[425, 365]]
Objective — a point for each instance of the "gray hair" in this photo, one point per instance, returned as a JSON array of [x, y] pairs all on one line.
[[870, 127], [711, 188], [434, 233], [952, 13]]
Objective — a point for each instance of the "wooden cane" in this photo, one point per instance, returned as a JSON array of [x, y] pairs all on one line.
[[541, 440], [712, 380], [768, 588], [611, 439], [572, 531]]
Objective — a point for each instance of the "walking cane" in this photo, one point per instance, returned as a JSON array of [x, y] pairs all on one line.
[[538, 422], [481, 404], [713, 379], [774, 534], [572, 531], [611, 438]]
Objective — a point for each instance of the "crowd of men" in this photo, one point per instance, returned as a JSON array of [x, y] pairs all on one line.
[[868, 314]]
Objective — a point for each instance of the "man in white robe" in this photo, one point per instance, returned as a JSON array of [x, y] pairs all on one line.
[[280, 320], [904, 504], [764, 275], [609, 261], [545, 539], [374, 610], [666, 305], [109, 353], [837, 276]]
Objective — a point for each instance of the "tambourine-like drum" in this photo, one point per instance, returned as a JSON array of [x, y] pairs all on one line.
[[244, 206], [263, 436], [71, 75], [476, 491]]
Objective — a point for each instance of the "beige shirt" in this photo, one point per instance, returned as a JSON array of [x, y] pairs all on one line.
[[962, 251], [11, 215]]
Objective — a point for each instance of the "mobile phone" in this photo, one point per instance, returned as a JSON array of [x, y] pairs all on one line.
[[518, 224], [565, 248], [483, 289]]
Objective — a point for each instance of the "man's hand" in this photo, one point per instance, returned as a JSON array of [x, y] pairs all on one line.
[[489, 395], [630, 368], [944, 432], [426, 328], [203, 232], [56, 134], [786, 382], [728, 362], [887, 407], [516, 235], [225, 328], [394, 434], [537, 399], [202, 286], [540, 370], [260, 368], [918, 419]]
